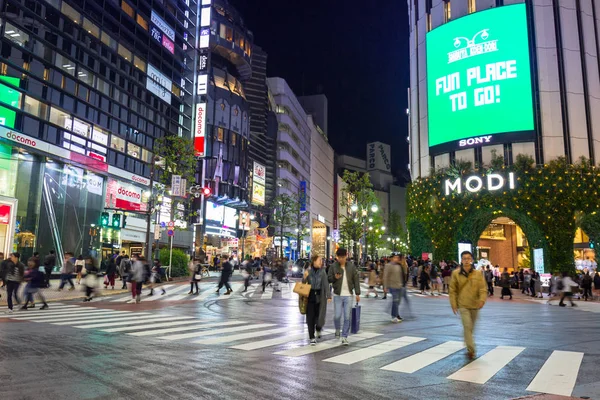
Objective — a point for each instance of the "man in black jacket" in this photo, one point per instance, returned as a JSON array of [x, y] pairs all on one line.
[[226, 272], [343, 276], [49, 264], [14, 277]]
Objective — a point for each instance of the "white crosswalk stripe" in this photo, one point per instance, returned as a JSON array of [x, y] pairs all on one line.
[[145, 298], [558, 374], [424, 358], [152, 325], [326, 345], [215, 332], [84, 317], [374, 351], [41, 315], [488, 365], [242, 336], [122, 321], [199, 325]]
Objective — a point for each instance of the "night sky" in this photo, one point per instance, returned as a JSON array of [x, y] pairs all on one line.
[[354, 52]]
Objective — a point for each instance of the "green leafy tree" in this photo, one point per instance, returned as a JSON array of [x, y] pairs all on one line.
[[179, 262], [350, 231], [289, 219]]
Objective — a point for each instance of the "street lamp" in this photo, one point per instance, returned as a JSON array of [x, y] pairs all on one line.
[[354, 208], [374, 208]]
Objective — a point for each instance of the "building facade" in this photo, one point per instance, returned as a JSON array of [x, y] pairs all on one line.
[[498, 87], [88, 87]]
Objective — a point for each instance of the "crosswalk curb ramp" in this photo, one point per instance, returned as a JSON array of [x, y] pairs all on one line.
[[557, 376]]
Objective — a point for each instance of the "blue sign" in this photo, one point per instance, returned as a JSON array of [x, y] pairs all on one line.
[[302, 196]]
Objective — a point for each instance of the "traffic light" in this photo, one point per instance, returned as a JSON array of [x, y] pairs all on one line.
[[206, 191], [116, 221], [124, 221], [592, 244], [104, 220]]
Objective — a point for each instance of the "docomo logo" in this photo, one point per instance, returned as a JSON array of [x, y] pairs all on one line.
[[200, 120], [128, 193], [474, 141], [21, 139], [139, 179], [475, 183]]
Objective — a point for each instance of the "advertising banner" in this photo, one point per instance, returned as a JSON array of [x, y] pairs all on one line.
[[259, 173], [258, 194], [176, 185], [302, 196], [162, 25], [378, 157], [204, 38], [202, 84], [158, 84], [124, 196], [538, 260], [200, 130], [479, 78]]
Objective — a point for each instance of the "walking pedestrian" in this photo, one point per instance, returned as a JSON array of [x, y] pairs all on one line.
[[79, 264], [468, 293], [435, 279], [267, 275], [566, 285], [424, 279], [394, 283], [319, 296], [586, 285], [49, 264], [111, 272], [446, 273], [597, 282], [66, 271], [155, 278], [36, 280], [137, 277], [343, 276], [90, 281], [247, 273], [489, 279], [196, 271], [538, 286], [505, 283], [226, 271], [372, 281], [15, 271], [124, 269]]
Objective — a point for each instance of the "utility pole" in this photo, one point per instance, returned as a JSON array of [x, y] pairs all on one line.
[[149, 211]]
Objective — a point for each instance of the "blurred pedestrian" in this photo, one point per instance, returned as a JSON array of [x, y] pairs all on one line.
[[137, 277], [566, 285], [15, 271], [155, 278], [343, 276], [372, 281], [36, 280], [319, 296], [111, 272], [247, 273], [505, 283], [489, 279], [79, 264], [586, 285], [90, 280], [226, 271], [196, 271], [66, 271], [393, 283], [424, 280], [124, 269], [468, 293], [49, 264], [446, 273]]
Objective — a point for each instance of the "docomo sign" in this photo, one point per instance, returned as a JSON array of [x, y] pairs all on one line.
[[128, 197], [200, 130], [21, 139], [476, 183]]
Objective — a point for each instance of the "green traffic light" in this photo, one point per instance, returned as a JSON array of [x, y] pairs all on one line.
[[116, 221], [104, 219]]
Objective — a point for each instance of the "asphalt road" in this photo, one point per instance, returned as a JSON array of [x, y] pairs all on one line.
[[111, 349]]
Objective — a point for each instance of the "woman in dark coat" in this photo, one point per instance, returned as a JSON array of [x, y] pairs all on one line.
[[319, 295]]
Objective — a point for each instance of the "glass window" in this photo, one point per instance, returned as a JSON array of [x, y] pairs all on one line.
[[471, 6], [100, 136], [81, 128], [142, 22], [85, 76], [91, 28], [117, 143], [108, 40], [16, 35], [35, 107], [103, 86], [134, 150], [220, 133], [71, 13], [447, 11], [139, 63], [65, 64], [146, 156], [229, 34], [233, 139], [124, 52], [61, 118], [223, 31], [128, 9]]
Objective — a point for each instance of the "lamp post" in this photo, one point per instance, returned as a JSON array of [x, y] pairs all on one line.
[[365, 217], [327, 247]]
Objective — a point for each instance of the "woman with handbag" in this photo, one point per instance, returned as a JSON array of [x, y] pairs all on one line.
[[318, 297], [196, 269]]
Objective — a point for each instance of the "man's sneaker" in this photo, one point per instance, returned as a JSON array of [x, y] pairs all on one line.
[[318, 334], [337, 334], [9, 312], [313, 342], [44, 307], [395, 320], [71, 288], [399, 319], [345, 342]]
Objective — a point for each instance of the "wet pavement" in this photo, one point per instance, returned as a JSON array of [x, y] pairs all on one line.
[[253, 345]]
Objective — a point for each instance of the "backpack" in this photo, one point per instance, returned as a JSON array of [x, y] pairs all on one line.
[[127, 267]]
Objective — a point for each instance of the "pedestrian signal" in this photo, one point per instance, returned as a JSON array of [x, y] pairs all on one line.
[[104, 219], [116, 221]]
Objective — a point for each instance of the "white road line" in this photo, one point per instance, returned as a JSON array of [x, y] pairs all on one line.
[[488, 365], [40, 315], [558, 374], [215, 332], [329, 344], [206, 294], [186, 328], [242, 336], [101, 319], [424, 358], [151, 326], [268, 294], [145, 298], [261, 344], [130, 321], [88, 316], [51, 310], [374, 351]]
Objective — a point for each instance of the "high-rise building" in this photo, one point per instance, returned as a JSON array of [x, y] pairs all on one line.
[[86, 89]]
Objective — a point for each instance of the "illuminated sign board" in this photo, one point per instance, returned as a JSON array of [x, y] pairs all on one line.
[[474, 183], [200, 130], [159, 84]]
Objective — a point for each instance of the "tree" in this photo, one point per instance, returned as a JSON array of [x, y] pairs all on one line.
[[289, 219], [350, 231], [397, 232]]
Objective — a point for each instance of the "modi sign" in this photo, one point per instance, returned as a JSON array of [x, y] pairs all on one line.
[[475, 183]]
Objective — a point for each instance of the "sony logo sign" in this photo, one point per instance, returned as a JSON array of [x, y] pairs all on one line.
[[473, 141], [476, 183]]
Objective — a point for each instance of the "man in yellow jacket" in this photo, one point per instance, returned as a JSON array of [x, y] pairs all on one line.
[[468, 292]]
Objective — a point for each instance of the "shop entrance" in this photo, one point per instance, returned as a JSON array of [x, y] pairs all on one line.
[[503, 243]]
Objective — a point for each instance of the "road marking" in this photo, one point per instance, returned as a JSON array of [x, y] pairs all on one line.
[[267, 294], [186, 328], [558, 375], [145, 298], [235, 290], [242, 336], [205, 294], [215, 332], [424, 358], [88, 316], [131, 321], [329, 344], [261, 344], [374, 351], [47, 311], [80, 311], [488, 365], [152, 326]]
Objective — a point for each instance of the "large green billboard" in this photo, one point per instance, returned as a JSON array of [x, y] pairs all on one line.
[[479, 79]]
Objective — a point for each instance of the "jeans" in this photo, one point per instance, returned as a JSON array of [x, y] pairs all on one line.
[[342, 305], [469, 317], [64, 278], [395, 301], [30, 292], [12, 289], [490, 288]]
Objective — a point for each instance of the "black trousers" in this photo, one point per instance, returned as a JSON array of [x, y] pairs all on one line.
[[587, 292], [224, 283], [491, 288], [566, 294], [192, 284], [312, 318], [424, 286], [12, 289], [48, 275]]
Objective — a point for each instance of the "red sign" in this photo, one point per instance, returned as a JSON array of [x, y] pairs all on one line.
[[199, 130], [124, 196], [5, 214], [89, 162], [169, 45]]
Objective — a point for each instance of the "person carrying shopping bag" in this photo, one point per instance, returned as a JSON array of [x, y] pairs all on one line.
[[319, 296]]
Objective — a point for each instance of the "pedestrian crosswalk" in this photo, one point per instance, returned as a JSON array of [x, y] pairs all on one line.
[[557, 374]]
